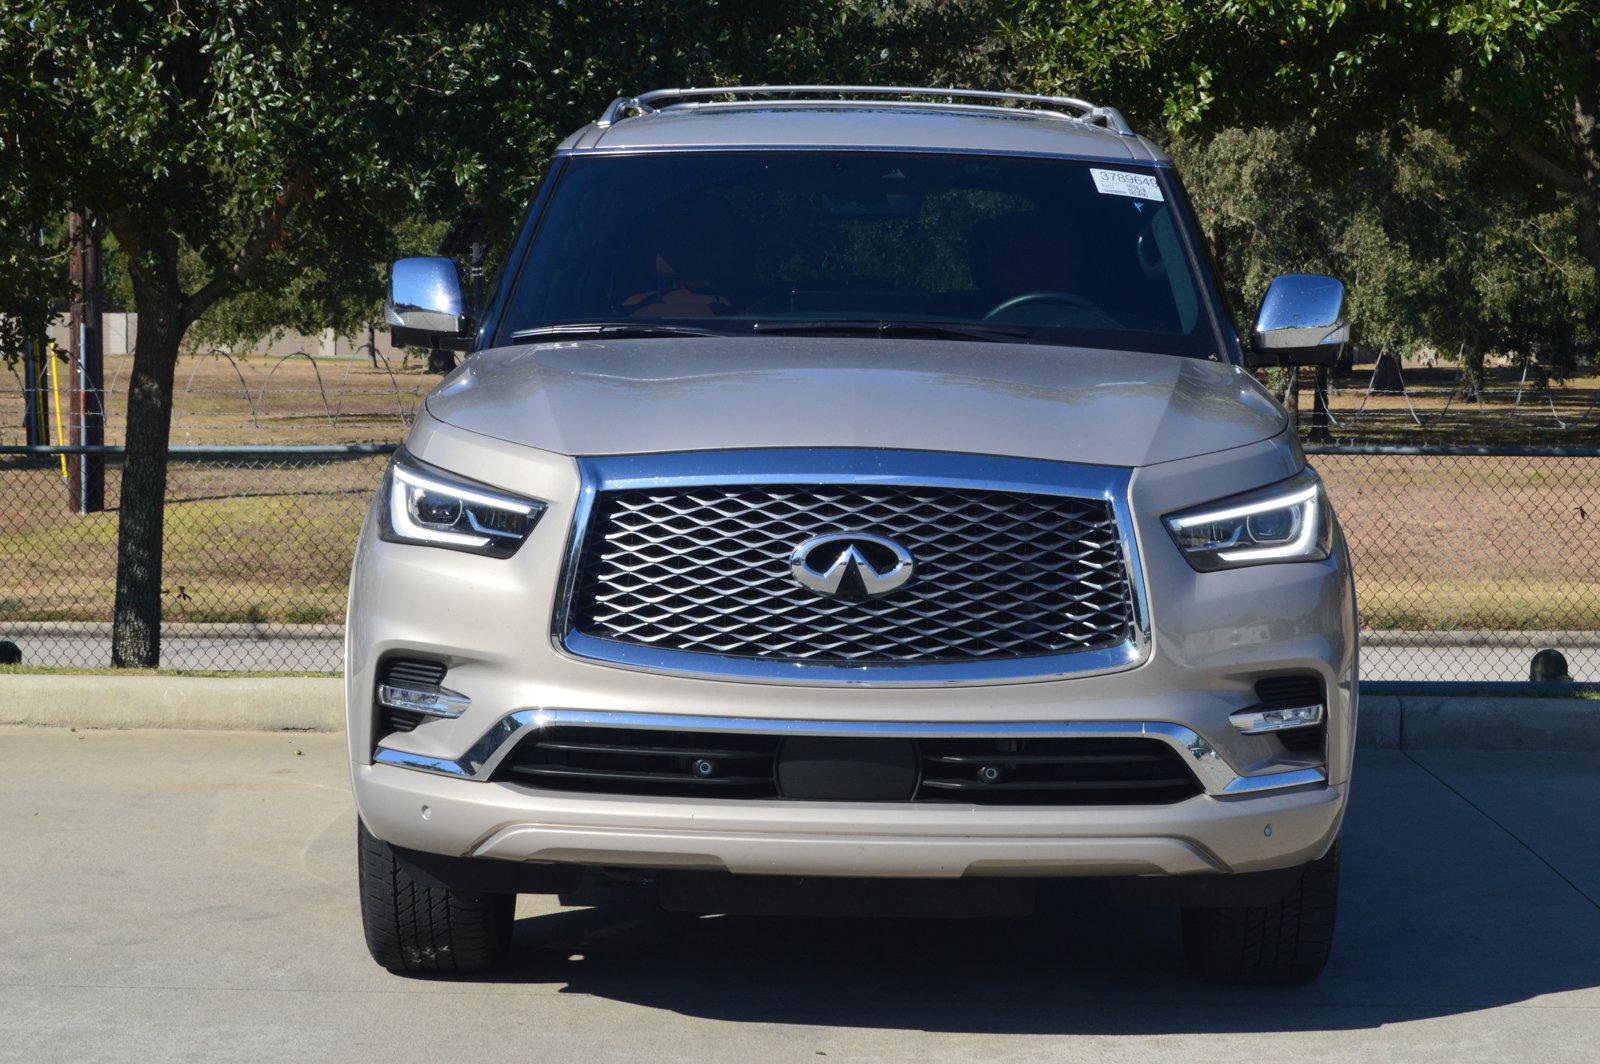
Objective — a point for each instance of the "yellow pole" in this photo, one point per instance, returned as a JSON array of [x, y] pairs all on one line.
[[55, 391]]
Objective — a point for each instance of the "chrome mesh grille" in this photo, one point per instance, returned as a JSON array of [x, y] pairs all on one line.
[[999, 574]]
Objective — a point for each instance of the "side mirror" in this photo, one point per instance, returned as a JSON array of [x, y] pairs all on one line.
[[425, 307], [1302, 323]]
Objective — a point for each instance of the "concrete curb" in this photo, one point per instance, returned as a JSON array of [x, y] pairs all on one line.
[[1422, 722], [292, 703], [268, 703]]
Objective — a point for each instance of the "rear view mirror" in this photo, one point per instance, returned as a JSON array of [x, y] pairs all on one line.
[[425, 307], [1302, 323]]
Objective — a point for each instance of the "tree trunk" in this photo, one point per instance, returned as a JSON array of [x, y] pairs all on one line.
[[136, 630], [1583, 129], [1589, 236]]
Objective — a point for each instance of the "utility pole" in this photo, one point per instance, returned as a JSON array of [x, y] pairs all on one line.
[[35, 399], [85, 405]]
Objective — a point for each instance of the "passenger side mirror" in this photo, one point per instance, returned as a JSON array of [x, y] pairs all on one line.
[[425, 307], [1302, 323]]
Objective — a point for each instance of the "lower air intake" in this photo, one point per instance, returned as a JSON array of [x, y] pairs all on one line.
[[1132, 771], [1040, 772]]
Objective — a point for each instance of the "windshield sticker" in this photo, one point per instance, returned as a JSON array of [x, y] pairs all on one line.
[[1123, 183]]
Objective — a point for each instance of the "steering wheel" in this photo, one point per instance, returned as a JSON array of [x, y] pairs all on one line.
[[1063, 298]]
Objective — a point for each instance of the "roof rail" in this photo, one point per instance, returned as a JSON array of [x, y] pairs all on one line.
[[1075, 109]]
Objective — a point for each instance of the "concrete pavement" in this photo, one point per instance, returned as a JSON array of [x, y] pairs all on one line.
[[190, 895]]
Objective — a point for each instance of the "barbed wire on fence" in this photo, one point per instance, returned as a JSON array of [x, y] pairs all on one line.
[[334, 409]]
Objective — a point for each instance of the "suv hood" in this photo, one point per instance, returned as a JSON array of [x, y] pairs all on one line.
[[1058, 403]]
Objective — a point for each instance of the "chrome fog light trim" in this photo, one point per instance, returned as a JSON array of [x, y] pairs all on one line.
[[427, 699], [1259, 720]]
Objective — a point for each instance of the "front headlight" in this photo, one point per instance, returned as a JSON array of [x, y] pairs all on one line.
[[432, 508], [1287, 522]]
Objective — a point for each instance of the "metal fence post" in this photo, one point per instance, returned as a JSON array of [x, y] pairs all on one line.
[[87, 470]]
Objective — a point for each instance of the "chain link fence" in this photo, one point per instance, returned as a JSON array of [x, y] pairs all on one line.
[[1468, 560], [257, 556]]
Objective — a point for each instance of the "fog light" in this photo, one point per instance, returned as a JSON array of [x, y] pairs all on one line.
[[419, 698], [1260, 719]]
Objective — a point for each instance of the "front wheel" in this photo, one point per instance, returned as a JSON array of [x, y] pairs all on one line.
[[1282, 943], [412, 927]]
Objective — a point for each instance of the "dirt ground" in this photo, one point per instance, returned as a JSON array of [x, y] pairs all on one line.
[[1443, 543], [292, 399], [1437, 407], [258, 542]]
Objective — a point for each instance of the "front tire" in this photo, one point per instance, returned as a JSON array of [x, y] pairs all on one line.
[[412, 927], [1284, 943]]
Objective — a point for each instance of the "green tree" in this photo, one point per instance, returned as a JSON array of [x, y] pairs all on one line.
[[253, 161], [220, 144], [548, 73], [1519, 79], [1431, 261]]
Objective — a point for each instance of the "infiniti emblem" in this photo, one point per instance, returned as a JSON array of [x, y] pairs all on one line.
[[851, 565]]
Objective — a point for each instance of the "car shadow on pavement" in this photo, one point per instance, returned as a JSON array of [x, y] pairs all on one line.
[[1442, 912], [1098, 970]]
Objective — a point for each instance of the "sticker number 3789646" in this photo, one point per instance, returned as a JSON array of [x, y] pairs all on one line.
[[1123, 183]]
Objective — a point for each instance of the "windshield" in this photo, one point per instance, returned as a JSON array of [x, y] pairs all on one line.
[[906, 244]]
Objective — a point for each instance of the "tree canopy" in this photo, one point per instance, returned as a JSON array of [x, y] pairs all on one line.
[[267, 157], [255, 164], [1506, 92]]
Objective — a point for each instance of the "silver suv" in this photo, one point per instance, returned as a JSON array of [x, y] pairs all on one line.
[[855, 482]]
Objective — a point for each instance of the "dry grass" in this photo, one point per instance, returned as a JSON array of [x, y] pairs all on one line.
[[280, 553], [1440, 543], [1471, 543]]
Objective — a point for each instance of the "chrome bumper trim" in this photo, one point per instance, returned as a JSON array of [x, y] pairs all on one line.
[[1215, 775]]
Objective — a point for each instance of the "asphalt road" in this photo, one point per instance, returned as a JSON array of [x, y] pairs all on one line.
[[1509, 662], [191, 896]]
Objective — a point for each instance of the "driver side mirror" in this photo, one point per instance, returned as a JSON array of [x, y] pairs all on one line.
[[425, 307], [1302, 323]]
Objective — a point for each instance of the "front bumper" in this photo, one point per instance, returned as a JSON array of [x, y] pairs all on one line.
[[1213, 635], [1208, 833]]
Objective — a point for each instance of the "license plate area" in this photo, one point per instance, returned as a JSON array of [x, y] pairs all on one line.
[[836, 769]]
